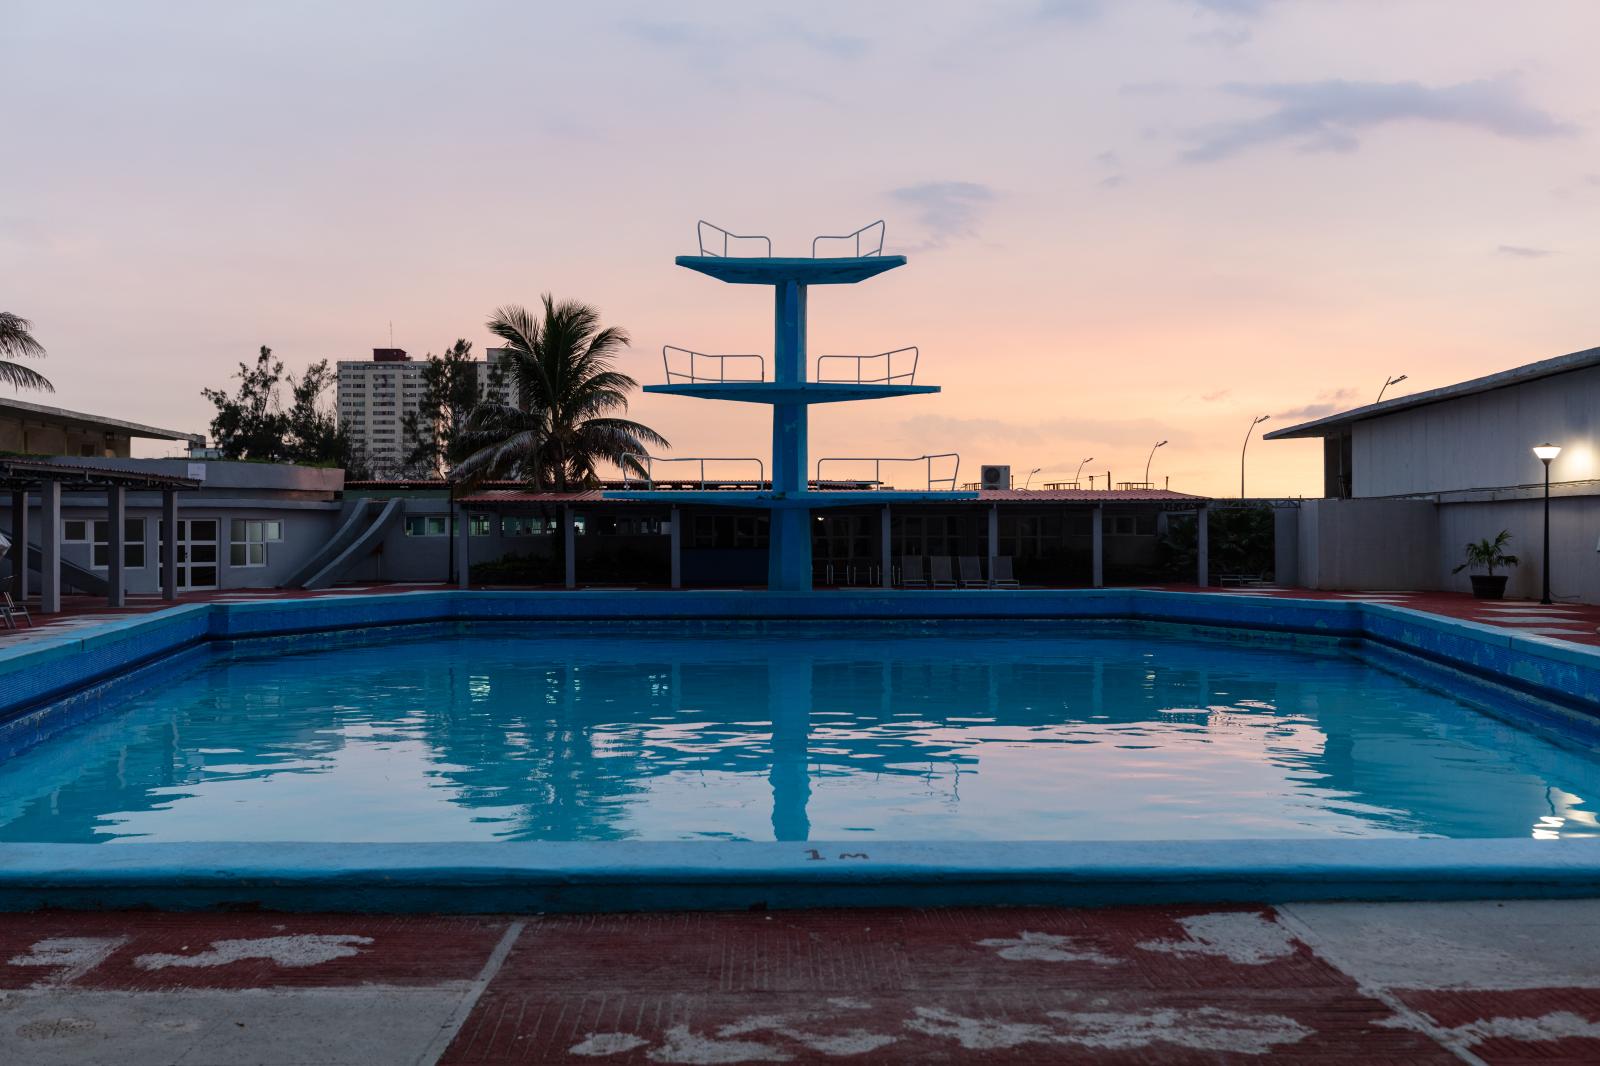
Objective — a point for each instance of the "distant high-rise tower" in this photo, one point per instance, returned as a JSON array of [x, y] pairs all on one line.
[[374, 398]]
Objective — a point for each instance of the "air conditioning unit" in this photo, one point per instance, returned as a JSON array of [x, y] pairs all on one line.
[[995, 477]]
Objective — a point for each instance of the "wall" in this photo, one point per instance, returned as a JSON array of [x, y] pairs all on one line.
[[35, 437], [306, 527], [1574, 537], [1368, 544], [1483, 441]]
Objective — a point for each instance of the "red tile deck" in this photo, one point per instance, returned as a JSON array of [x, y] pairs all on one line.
[[1025, 985]]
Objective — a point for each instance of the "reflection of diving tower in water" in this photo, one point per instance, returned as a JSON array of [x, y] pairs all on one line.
[[791, 498]]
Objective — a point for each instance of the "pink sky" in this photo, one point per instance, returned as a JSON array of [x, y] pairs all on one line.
[[1125, 221]]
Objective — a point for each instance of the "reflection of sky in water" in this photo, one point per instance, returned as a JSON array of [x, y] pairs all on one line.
[[957, 733]]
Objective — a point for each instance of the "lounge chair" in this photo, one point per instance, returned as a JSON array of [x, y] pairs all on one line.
[[939, 575], [970, 572], [11, 610], [912, 575], [1002, 577]]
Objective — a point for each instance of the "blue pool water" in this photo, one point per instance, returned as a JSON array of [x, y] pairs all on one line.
[[793, 732]]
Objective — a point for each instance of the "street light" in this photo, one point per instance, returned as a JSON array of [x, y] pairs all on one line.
[[1392, 381], [1247, 435], [1547, 454], [1079, 472], [1028, 482], [1150, 460]]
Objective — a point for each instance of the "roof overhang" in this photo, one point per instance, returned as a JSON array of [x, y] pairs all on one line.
[[31, 474], [94, 423], [1333, 425]]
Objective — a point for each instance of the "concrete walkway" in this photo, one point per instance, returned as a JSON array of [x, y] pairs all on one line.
[[1315, 983]]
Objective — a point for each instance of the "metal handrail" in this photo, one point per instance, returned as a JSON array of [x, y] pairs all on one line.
[[889, 376], [722, 369], [700, 235], [878, 461], [856, 236], [649, 461]]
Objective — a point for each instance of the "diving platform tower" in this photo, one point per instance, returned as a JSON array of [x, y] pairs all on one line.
[[790, 496]]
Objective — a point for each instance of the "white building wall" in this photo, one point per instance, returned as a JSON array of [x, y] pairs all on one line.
[[1483, 441]]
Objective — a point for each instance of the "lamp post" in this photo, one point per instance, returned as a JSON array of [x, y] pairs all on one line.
[[1029, 482], [1247, 435], [1392, 381], [1150, 460], [1547, 454], [1078, 473]]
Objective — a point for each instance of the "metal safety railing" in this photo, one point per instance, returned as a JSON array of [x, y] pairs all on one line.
[[894, 372], [878, 461], [726, 237], [861, 240], [694, 374], [647, 462]]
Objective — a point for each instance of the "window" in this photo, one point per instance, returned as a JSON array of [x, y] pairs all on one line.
[[249, 539], [516, 525], [1131, 525], [426, 525], [730, 531], [132, 543], [480, 525]]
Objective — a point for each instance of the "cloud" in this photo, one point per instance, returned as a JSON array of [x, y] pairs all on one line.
[[1326, 116], [1518, 251], [1328, 403], [946, 210], [715, 44], [1237, 8], [1223, 36], [1077, 12]]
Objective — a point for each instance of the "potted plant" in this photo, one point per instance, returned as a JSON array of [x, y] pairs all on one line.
[[1488, 554]]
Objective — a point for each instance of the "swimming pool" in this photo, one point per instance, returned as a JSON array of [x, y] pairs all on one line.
[[795, 731], [485, 751]]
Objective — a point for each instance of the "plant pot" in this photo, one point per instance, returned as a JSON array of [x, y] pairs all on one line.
[[1489, 586]]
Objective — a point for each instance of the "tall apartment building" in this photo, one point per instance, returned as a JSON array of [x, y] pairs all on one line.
[[374, 398], [502, 391]]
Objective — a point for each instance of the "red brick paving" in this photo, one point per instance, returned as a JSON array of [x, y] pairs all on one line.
[[1028, 985], [916, 987]]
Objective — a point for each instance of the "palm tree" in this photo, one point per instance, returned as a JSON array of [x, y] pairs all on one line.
[[16, 338], [565, 421]]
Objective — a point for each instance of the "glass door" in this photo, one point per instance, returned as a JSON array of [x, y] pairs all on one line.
[[197, 553]]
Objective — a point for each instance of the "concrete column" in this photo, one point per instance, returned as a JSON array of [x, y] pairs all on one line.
[[1203, 547], [569, 540], [677, 549], [886, 546], [116, 516], [463, 549], [50, 547], [994, 537], [19, 550], [169, 545], [1097, 537]]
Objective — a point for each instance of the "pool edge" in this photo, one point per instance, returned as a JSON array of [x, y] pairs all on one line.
[[715, 875]]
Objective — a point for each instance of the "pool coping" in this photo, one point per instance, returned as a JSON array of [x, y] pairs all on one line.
[[92, 664]]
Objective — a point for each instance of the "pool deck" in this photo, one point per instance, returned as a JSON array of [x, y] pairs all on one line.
[[1415, 983], [1578, 623]]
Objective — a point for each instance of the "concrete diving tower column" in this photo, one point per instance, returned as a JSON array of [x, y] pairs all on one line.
[[789, 550], [789, 529]]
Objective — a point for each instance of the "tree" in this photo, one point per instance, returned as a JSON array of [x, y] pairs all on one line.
[[252, 424], [450, 391], [568, 398], [16, 338]]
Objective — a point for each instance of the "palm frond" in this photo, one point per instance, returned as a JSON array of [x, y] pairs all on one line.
[[21, 377]]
